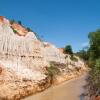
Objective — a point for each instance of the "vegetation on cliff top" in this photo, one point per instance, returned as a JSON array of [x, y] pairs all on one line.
[[68, 49]]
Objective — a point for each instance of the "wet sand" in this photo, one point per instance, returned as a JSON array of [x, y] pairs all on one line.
[[70, 90]]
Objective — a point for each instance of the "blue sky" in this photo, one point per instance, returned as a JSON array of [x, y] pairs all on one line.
[[60, 22]]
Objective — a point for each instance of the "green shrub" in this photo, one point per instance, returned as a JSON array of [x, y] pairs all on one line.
[[19, 22], [15, 31], [83, 54], [73, 58], [97, 69], [68, 49], [52, 70], [29, 30]]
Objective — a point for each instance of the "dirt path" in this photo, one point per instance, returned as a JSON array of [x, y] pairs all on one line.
[[70, 90]]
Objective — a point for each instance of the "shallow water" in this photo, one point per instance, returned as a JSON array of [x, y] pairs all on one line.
[[70, 90]]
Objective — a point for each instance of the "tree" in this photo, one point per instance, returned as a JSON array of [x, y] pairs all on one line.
[[94, 62], [94, 49], [19, 22], [29, 30], [68, 49], [83, 54]]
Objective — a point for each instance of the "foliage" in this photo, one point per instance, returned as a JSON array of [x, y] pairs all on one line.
[[19, 22], [83, 54], [94, 61], [14, 30], [68, 49], [94, 50], [97, 69], [94, 81], [52, 70], [73, 58], [92, 57], [12, 21], [29, 30]]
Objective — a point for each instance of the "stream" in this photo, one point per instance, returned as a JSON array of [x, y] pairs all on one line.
[[69, 90]]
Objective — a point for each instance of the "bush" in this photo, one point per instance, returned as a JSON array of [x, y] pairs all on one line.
[[68, 49], [29, 30], [73, 58], [19, 22], [14, 30], [97, 70], [94, 81], [52, 70], [83, 54]]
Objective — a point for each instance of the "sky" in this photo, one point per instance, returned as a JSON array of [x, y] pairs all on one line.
[[61, 22]]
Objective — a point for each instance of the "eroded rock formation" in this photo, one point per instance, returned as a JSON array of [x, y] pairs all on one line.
[[23, 62]]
